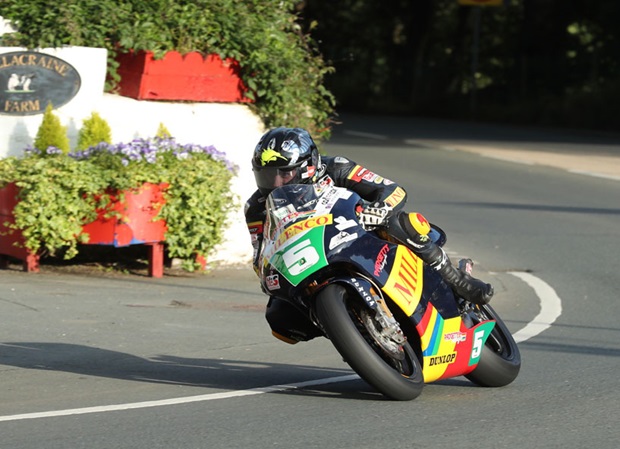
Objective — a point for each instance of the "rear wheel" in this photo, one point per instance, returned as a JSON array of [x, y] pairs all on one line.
[[390, 367], [500, 361]]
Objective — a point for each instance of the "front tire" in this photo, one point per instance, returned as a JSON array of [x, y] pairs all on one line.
[[500, 361], [397, 376]]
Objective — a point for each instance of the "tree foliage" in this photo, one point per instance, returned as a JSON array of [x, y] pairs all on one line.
[[279, 62], [551, 62]]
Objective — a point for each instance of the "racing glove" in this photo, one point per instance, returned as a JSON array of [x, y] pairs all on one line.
[[374, 215]]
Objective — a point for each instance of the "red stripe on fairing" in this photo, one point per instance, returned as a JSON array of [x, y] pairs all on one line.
[[423, 324]]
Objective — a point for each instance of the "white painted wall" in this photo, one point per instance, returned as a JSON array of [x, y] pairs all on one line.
[[231, 128]]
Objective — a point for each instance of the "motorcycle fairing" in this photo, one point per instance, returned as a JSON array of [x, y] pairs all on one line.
[[404, 284], [449, 348], [298, 256]]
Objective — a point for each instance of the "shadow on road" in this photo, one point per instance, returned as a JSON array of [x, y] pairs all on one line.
[[165, 369]]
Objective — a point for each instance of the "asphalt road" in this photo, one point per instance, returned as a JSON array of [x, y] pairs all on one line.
[[187, 361]]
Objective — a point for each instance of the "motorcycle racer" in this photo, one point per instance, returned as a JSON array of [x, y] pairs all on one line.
[[290, 156]]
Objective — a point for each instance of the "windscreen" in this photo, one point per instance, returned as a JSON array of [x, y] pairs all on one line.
[[286, 203]]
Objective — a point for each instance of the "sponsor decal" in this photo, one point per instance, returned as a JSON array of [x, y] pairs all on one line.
[[360, 173], [273, 282], [456, 337], [364, 293], [396, 197], [441, 359], [381, 259], [328, 197], [29, 81], [343, 223], [305, 225], [322, 184], [297, 259], [341, 238], [293, 216], [404, 284]]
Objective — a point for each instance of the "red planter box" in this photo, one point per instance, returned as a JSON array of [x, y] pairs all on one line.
[[131, 221], [122, 223], [189, 77], [12, 242]]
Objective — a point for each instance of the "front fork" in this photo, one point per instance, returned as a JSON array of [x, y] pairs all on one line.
[[390, 329]]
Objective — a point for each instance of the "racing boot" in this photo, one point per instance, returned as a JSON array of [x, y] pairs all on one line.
[[469, 288]]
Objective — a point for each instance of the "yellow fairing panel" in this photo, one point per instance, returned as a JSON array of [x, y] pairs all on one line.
[[404, 285]]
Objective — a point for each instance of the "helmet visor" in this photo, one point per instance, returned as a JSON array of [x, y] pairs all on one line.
[[268, 178]]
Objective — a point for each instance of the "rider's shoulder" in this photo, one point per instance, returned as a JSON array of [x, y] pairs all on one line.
[[255, 204], [337, 163], [333, 160]]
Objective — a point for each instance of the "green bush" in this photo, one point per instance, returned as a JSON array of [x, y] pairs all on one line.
[[59, 193], [94, 131], [51, 135], [280, 64]]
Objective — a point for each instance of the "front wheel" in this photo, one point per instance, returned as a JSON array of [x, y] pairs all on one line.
[[500, 361], [393, 369]]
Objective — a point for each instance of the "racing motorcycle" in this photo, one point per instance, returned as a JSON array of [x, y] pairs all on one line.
[[391, 317]]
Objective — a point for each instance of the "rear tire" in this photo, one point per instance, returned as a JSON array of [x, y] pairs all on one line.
[[500, 361], [398, 378]]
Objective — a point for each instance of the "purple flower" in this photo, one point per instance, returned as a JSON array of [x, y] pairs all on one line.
[[147, 150]]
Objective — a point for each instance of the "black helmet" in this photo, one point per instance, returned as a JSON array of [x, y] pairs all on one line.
[[285, 156]]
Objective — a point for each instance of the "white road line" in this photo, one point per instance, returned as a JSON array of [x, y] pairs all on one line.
[[176, 401], [550, 307], [550, 310]]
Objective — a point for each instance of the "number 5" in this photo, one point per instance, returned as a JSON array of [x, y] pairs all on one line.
[[300, 257], [477, 350]]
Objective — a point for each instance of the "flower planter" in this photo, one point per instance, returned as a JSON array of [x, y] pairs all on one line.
[[189, 77], [127, 220], [12, 242]]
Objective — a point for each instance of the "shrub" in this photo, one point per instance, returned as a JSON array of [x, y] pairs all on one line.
[[59, 192], [94, 131], [51, 135], [162, 132]]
